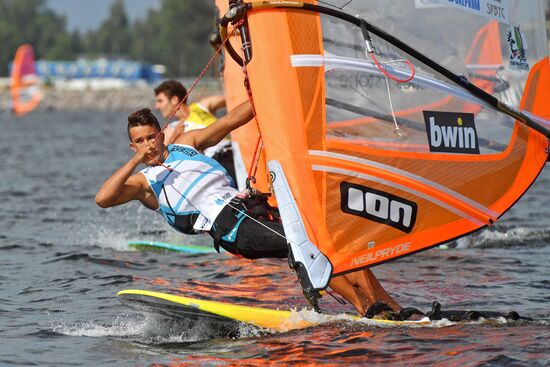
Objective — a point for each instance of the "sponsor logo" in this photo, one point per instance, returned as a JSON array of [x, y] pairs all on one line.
[[427, 3], [451, 132], [471, 4], [497, 9], [382, 254], [364, 81], [187, 151], [272, 176], [518, 58], [493, 9], [378, 206], [202, 225]]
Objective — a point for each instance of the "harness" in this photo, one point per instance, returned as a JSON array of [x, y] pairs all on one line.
[[227, 223]]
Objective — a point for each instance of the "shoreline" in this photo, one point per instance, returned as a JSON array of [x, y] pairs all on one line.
[[129, 98]]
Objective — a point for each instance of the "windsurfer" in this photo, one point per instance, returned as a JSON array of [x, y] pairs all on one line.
[[198, 115], [195, 195]]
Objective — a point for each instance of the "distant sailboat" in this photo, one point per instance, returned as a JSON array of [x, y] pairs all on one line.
[[25, 94]]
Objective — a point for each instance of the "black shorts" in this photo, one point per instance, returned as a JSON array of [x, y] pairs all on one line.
[[255, 241]]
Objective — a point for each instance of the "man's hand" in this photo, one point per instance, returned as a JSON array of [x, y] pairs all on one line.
[[144, 153], [149, 152], [122, 187]]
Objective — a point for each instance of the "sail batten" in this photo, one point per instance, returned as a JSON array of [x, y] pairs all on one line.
[[402, 173], [364, 66], [426, 192]]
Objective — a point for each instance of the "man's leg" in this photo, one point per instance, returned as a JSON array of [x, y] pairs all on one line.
[[362, 290], [263, 239]]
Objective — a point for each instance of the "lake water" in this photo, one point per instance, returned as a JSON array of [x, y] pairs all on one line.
[[62, 260]]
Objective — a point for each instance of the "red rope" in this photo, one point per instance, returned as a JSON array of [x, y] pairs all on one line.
[[256, 156], [383, 70], [178, 106]]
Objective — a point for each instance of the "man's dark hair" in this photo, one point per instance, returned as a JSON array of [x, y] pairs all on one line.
[[143, 117], [171, 88]]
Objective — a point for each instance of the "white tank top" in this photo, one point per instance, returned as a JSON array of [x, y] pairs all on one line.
[[191, 195]]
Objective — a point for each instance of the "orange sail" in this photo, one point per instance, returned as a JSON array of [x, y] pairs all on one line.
[[368, 167], [245, 139], [24, 83]]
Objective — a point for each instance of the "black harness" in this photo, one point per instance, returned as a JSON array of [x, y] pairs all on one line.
[[254, 206], [183, 222]]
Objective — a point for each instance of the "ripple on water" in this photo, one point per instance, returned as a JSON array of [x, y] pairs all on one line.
[[97, 260], [62, 260]]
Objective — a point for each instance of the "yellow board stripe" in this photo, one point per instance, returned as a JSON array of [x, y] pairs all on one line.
[[278, 320]]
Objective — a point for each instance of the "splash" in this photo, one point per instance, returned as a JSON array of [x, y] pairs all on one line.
[[121, 327], [150, 329], [505, 237]]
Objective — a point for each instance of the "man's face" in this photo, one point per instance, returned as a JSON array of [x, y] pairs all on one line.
[[142, 138], [165, 105]]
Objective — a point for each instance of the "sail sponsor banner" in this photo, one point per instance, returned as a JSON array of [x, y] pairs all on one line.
[[379, 206], [451, 132], [518, 49], [381, 255], [494, 9]]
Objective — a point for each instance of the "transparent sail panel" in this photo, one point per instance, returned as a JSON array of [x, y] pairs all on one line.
[[429, 112]]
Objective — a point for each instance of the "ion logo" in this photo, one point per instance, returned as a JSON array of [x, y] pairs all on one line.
[[378, 206], [451, 132]]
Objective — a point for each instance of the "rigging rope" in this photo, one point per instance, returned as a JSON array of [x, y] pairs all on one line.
[[253, 169], [258, 144], [388, 75], [370, 50], [178, 106]]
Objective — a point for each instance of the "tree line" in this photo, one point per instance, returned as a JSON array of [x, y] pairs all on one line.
[[175, 35]]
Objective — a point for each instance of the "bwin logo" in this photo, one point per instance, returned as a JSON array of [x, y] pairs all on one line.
[[378, 206], [451, 132]]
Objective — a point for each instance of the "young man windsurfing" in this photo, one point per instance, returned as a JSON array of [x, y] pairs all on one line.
[[195, 194]]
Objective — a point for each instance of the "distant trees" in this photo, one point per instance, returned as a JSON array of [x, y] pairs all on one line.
[[175, 35], [113, 37], [30, 21]]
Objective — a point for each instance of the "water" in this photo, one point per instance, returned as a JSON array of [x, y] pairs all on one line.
[[62, 260]]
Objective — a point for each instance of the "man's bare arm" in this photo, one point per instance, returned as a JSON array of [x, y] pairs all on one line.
[[213, 134], [171, 133], [122, 187], [213, 103]]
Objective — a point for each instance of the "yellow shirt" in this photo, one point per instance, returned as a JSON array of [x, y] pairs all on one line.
[[199, 118]]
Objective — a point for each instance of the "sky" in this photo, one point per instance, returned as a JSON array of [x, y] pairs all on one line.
[[88, 14], [85, 15]]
